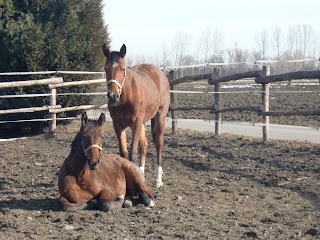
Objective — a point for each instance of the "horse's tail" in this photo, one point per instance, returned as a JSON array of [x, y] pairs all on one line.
[[153, 129]]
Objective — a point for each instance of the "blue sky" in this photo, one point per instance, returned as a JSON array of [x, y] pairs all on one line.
[[145, 25]]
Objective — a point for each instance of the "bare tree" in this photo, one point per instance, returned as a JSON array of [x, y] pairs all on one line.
[[276, 43], [216, 45], [276, 40], [262, 42], [180, 45], [187, 60], [290, 41], [307, 34], [231, 54], [300, 38], [211, 44], [164, 55], [205, 42]]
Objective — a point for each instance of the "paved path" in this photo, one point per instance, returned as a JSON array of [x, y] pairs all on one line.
[[276, 131]]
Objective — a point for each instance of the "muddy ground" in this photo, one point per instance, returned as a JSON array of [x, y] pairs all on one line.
[[226, 187]]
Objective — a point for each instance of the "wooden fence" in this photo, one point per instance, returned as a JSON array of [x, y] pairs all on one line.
[[261, 77], [54, 84]]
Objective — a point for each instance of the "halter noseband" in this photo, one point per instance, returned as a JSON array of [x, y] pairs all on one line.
[[91, 146], [116, 82]]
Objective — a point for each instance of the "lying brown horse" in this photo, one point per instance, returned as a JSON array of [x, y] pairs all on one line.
[[137, 95], [87, 177]]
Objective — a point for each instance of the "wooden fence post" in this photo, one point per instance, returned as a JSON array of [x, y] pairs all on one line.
[[172, 103], [216, 74], [265, 105], [53, 102]]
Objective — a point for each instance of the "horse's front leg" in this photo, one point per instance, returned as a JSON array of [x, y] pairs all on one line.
[[143, 147], [71, 207], [72, 197], [136, 133], [122, 140]]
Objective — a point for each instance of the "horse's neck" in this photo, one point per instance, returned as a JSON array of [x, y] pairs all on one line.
[[128, 86]]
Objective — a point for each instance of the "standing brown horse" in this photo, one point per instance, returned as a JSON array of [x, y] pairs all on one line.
[[87, 176], [137, 95]]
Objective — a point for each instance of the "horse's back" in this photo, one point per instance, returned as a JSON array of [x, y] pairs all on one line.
[[154, 74]]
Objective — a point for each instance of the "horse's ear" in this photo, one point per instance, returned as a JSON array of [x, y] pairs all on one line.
[[84, 119], [123, 51], [106, 49], [102, 119]]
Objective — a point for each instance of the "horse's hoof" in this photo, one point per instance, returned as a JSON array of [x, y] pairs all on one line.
[[151, 204], [120, 198], [127, 204], [159, 184]]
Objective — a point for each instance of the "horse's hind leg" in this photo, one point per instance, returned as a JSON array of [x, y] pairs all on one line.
[[136, 184], [148, 202], [159, 142], [143, 146]]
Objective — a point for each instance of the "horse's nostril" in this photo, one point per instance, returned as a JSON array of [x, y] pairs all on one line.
[[93, 165], [113, 97]]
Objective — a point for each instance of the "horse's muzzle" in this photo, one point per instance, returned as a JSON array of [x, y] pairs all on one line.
[[113, 97], [93, 165]]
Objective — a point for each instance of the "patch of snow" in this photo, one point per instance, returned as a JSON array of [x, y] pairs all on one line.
[[11, 139]]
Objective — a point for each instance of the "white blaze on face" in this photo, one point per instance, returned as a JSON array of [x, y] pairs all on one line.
[[114, 65]]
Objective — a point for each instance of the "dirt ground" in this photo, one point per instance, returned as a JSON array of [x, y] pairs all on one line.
[[215, 187]]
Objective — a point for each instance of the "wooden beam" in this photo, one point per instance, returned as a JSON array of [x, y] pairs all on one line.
[[289, 76], [213, 110], [191, 108], [27, 110], [31, 82], [217, 116], [76, 108], [194, 78], [77, 83], [251, 74], [302, 112], [173, 102], [234, 109]]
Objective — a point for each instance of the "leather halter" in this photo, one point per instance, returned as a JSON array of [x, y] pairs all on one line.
[[116, 82], [91, 146]]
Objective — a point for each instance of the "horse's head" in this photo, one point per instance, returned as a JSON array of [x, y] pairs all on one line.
[[115, 68], [92, 135]]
